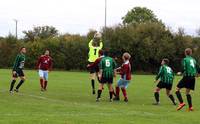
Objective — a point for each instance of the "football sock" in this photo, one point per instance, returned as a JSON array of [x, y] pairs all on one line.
[[172, 98], [117, 91], [178, 94], [12, 84], [189, 99], [111, 94], [124, 92], [20, 83], [92, 82], [41, 83], [99, 93], [45, 84], [156, 95]]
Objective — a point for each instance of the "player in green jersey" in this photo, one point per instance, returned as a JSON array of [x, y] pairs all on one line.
[[94, 45], [165, 80], [107, 72], [189, 67], [18, 70]]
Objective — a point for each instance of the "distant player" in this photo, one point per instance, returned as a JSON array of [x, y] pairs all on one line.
[[125, 72], [18, 70], [190, 67], [44, 65], [95, 45], [165, 80], [107, 72], [95, 65]]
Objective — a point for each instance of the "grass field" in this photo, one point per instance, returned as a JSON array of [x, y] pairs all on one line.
[[69, 101]]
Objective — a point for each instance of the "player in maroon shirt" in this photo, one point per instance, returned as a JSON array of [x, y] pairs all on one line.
[[95, 65], [125, 72], [44, 65]]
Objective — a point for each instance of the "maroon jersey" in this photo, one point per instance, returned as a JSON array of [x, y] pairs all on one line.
[[95, 64], [44, 63], [125, 71]]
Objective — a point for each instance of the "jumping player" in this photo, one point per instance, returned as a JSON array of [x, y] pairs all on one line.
[[18, 70], [165, 80], [125, 72], [190, 67], [95, 65], [44, 65], [95, 45], [107, 72]]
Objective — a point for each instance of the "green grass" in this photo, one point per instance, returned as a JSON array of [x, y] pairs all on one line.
[[69, 101]]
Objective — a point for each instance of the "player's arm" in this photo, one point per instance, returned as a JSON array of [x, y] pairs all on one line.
[[183, 64], [38, 63], [95, 64], [114, 67], [100, 69], [16, 63], [50, 64], [160, 73], [101, 45], [90, 44]]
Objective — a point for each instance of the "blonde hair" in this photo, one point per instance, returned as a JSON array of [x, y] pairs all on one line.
[[126, 56]]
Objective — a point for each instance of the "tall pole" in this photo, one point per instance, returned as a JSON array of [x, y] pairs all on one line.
[[105, 18], [16, 21], [105, 13]]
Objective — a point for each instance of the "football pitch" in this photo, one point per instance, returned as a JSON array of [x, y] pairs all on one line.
[[69, 100]]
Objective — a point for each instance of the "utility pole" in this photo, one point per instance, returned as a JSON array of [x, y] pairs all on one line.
[[105, 26], [16, 21]]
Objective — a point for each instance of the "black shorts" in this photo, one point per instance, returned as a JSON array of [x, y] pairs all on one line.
[[106, 80], [19, 73], [164, 85], [92, 70], [187, 82]]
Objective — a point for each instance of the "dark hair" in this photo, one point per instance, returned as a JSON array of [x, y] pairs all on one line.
[[188, 51], [101, 52], [166, 61], [106, 52], [22, 48]]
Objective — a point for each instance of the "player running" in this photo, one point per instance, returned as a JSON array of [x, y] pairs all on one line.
[[44, 65], [95, 45], [165, 80], [18, 70], [189, 67], [107, 72], [125, 72]]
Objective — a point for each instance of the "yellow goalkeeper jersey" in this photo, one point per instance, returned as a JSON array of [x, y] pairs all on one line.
[[94, 51]]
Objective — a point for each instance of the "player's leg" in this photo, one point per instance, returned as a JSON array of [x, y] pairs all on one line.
[[101, 84], [92, 77], [189, 99], [13, 82], [157, 96], [22, 79], [111, 91], [180, 85], [190, 86], [171, 97], [45, 80], [41, 75], [180, 99], [123, 88], [20, 83], [117, 90]]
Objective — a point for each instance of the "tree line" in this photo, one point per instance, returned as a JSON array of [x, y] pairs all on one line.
[[141, 34]]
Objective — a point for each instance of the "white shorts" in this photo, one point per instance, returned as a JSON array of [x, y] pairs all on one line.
[[43, 74]]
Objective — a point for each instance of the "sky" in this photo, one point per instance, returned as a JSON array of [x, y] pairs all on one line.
[[78, 16]]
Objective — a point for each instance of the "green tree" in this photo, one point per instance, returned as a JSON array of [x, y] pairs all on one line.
[[40, 32], [139, 15]]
